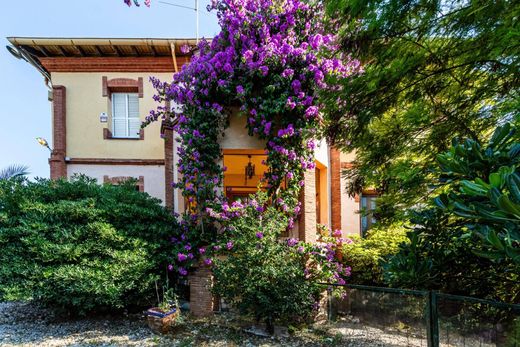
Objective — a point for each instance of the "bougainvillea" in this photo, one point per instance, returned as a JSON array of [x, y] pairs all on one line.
[[136, 3], [267, 64]]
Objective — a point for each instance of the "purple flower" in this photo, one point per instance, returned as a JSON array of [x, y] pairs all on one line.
[[183, 271], [187, 247], [264, 70], [260, 235], [202, 250], [311, 112], [296, 86], [240, 90], [290, 103], [181, 257], [229, 245], [287, 73], [292, 242], [185, 49], [170, 267], [208, 261]]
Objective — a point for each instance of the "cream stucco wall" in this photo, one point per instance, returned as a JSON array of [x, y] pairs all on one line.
[[347, 157], [236, 136], [321, 153], [84, 130], [350, 218], [153, 175]]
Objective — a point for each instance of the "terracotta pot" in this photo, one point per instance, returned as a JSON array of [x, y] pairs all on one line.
[[159, 320]]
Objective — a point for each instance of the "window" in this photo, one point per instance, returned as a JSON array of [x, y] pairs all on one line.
[[139, 182], [125, 115], [368, 205]]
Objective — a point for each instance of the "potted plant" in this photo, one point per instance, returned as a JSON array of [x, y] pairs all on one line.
[[161, 318]]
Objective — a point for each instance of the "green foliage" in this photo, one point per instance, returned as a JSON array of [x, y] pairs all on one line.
[[485, 190], [266, 277], [80, 246], [466, 240], [434, 70], [441, 255], [365, 255]]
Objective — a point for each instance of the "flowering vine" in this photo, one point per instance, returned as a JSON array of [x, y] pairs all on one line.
[[136, 3], [267, 64]]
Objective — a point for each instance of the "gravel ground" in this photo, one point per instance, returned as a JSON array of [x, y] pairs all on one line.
[[24, 324]]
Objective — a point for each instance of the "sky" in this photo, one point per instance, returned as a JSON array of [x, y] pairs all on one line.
[[25, 112]]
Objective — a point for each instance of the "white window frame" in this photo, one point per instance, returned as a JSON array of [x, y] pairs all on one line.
[[127, 118]]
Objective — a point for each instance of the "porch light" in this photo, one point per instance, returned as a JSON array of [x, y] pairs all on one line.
[[43, 142], [249, 169]]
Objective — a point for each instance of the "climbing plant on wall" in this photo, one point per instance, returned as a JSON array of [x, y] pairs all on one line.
[[266, 64]]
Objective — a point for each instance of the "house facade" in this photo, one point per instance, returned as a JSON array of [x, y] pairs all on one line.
[[100, 93]]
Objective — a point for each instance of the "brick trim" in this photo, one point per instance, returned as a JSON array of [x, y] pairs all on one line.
[[121, 85], [335, 188], [107, 161], [120, 179], [107, 135], [58, 167], [112, 64], [369, 191], [167, 133]]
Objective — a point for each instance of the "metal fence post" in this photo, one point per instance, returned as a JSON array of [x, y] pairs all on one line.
[[432, 320], [329, 303]]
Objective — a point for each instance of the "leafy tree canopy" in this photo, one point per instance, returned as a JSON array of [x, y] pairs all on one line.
[[434, 70]]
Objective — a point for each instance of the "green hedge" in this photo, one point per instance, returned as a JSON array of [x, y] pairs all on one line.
[[365, 255], [80, 246]]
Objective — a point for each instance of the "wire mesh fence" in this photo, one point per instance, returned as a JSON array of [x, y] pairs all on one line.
[[375, 316]]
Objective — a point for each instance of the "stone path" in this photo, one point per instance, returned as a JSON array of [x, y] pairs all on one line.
[[24, 324]]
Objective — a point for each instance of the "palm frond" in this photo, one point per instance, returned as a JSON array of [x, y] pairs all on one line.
[[14, 171]]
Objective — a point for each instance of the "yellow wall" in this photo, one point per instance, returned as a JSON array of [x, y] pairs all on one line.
[[84, 130], [347, 157]]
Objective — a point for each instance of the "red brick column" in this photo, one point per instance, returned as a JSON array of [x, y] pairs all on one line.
[[335, 188], [168, 167], [201, 299], [59, 133], [307, 227]]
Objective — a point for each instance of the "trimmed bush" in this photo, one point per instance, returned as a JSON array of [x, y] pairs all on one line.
[[365, 255], [80, 246]]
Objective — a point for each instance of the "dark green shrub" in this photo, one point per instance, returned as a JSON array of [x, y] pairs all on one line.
[[365, 255], [466, 240], [80, 246], [485, 190]]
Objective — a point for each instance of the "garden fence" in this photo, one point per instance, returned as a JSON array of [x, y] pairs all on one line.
[[401, 317]]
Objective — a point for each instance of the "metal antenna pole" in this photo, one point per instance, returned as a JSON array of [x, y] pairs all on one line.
[[197, 18]]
